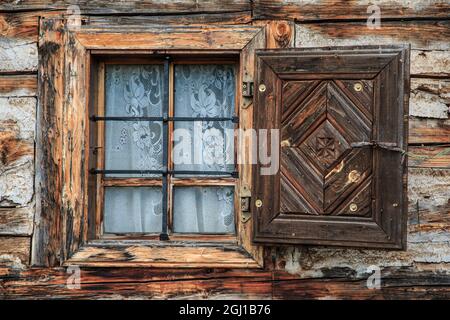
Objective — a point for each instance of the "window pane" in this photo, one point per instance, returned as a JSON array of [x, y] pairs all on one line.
[[133, 91], [204, 210], [204, 91], [133, 209]]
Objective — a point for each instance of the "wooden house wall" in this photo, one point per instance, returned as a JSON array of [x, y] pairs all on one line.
[[291, 272]]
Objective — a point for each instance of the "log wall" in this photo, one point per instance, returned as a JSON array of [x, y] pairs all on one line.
[[291, 272]]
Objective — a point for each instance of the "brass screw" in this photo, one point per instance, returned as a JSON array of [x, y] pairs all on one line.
[[353, 207], [358, 87], [262, 87], [258, 203]]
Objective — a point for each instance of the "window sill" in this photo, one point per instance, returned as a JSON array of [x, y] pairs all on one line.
[[162, 255]]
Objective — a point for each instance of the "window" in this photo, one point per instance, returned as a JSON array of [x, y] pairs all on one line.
[[118, 128], [165, 148]]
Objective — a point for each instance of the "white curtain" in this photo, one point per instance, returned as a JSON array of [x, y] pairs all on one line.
[[200, 91], [132, 210], [204, 91], [203, 210], [133, 91]]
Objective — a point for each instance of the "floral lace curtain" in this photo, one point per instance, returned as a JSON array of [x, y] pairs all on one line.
[[200, 91]]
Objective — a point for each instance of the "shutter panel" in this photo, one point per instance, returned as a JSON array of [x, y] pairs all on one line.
[[342, 119]]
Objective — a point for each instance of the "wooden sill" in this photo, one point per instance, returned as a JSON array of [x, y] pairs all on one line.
[[176, 255]]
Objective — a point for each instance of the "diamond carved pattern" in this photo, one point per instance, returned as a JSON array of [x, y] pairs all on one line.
[[322, 132]]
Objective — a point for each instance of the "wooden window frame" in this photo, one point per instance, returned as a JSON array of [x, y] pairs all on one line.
[[97, 153], [63, 224]]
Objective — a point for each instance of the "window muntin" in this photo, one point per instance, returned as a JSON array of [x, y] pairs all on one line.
[[133, 145]]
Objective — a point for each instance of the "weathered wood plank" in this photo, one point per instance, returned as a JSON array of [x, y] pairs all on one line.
[[160, 256], [15, 249], [133, 6], [429, 156], [144, 283], [169, 37], [430, 54], [314, 10], [430, 98], [429, 131], [18, 86], [23, 25], [16, 221], [191, 19], [48, 230]]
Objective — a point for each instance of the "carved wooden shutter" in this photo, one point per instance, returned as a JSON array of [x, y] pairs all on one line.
[[342, 115]]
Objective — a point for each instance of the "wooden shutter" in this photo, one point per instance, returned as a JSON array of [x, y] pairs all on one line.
[[342, 114]]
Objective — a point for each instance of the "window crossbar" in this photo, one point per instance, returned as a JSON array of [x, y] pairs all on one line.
[[233, 119]]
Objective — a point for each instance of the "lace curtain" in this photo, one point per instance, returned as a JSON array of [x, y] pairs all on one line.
[[200, 91]]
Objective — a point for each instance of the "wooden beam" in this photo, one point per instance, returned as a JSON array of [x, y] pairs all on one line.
[[316, 10], [131, 6], [166, 38], [49, 146]]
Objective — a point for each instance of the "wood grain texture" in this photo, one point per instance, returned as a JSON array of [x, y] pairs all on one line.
[[18, 86], [48, 233], [13, 248], [134, 6], [429, 156], [317, 10], [16, 221], [145, 283], [429, 131], [161, 256], [165, 38]]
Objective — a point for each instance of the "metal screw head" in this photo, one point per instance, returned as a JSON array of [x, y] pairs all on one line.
[[258, 203], [353, 207], [262, 87], [358, 87]]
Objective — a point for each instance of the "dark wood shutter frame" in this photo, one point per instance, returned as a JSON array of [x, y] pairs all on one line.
[[342, 113]]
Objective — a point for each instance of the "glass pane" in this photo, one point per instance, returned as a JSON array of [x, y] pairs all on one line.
[[204, 210], [204, 91], [133, 91], [132, 210]]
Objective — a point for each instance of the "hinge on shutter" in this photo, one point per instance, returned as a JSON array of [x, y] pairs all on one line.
[[247, 89], [245, 198]]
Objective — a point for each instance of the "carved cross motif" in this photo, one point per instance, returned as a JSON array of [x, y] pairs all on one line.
[[325, 147]]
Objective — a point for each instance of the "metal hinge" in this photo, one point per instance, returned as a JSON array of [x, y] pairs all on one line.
[[245, 198], [247, 89]]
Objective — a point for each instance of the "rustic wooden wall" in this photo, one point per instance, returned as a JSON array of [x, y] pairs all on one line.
[[421, 271]]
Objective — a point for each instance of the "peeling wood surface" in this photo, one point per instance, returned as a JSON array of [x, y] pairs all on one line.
[[429, 131], [15, 249], [429, 156], [430, 54], [16, 221], [430, 98]]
